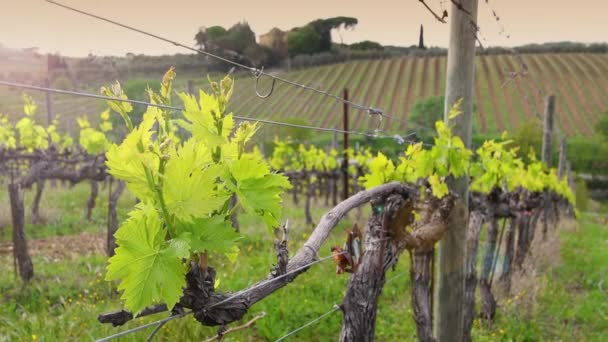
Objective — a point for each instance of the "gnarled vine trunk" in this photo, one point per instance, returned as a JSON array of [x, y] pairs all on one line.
[[476, 219], [382, 248], [421, 275], [20, 252], [92, 199], [113, 197], [309, 193], [515, 225], [36, 218], [488, 302]]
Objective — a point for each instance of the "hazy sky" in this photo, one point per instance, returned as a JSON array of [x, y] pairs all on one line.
[[35, 23]]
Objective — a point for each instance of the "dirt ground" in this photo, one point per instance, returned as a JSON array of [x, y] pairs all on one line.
[[62, 247]]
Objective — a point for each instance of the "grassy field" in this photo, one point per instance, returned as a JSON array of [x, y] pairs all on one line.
[[505, 97], [564, 296]]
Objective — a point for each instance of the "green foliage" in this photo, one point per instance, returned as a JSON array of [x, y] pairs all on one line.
[[587, 155], [239, 38], [7, 133], [216, 32], [134, 89], [582, 196], [63, 300], [295, 133], [447, 157], [426, 112], [237, 43], [145, 262], [366, 45], [31, 135], [303, 40], [496, 166], [528, 137], [602, 127], [324, 27], [94, 141], [288, 156], [184, 188], [216, 38]]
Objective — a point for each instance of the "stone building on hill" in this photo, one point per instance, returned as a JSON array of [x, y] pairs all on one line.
[[276, 40]]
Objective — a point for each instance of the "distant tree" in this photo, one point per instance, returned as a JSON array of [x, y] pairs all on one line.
[[240, 36], [325, 26], [206, 36], [303, 40], [366, 45], [425, 113], [216, 38], [261, 55], [528, 137], [602, 127], [421, 39]]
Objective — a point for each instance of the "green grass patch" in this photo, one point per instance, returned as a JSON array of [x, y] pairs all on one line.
[[67, 294]]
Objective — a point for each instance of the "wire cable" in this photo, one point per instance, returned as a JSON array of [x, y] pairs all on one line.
[[142, 327], [238, 294], [242, 118], [333, 309], [257, 72]]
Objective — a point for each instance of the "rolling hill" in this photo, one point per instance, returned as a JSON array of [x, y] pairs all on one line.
[[506, 95]]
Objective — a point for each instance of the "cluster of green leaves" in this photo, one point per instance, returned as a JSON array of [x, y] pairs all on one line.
[[94, 141], [494, 165], [288, 156], [185, 190], [28, 134], [497, 165], [448, 156]]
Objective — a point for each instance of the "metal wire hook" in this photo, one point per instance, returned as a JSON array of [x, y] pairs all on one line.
[[257, 73], [374, 111], [399, 139]]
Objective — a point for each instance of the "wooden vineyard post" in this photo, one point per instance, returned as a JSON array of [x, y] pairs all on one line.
[[190, 87], [546, 152], [49, 118], [449, 290], [49, 103], [345, 161], [561, 165], [548, 129]]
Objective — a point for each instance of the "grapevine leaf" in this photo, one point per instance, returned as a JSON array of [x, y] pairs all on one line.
[[129, 160], [209, 234], [149, 268], [455, 110], [438, 187], [258, 190], [29, 106], [188, 190], [381, 172]]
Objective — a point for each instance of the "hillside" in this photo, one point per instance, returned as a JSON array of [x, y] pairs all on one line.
[[506, 97], [580, 82]]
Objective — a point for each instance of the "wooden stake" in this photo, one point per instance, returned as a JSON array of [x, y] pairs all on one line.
[[449, 301]]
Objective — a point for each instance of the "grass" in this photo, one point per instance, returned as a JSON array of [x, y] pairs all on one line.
[[68, 292]]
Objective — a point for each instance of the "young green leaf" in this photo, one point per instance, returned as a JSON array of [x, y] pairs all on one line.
[[148, 267]]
